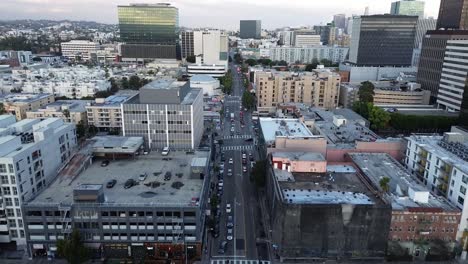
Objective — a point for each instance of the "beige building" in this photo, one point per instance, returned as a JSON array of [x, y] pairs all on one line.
[[19, 104], [72, 111], [386, 93], [319, 88], [106, 114]]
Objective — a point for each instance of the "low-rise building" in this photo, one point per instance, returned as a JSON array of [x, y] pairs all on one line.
[[319, 89], [418, 216], [205, 82], [375, 73], [154, 206], [166, 113], [31, 153], [79, 49], [73, 111], [213, 70], [19, 104], [315, 216], [386, 93], [106, 113], [441, 164]]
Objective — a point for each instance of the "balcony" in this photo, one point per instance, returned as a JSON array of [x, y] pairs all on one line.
[[442, 188]]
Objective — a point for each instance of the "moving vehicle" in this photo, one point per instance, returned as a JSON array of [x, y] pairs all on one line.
[[231, 161], [232, 117], [229, 234], [230, 222], [111, 183], [228, 208], [229, 173], [142, 176], [244, 169], [222, 247], [165, 151], [104, 163]]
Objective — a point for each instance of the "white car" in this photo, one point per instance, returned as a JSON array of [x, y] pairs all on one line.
[[143, 176], [229, 234], [231, 161], [228, 208], [165, 151], [229, 173]]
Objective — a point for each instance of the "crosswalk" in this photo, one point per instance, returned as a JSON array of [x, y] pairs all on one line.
[[237, 136], [244, 147], [231, 261]]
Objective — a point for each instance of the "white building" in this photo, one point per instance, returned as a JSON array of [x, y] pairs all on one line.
[[23, 57], [205, 82], [211, 70], [287, 37], [79, 48], [441, 163], [31, 154], [454, 73], [307, 55], [303, 41], [370, 73]]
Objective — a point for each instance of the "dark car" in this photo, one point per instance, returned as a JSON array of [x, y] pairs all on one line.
[[168, 176], [129, 183], [229, 222], [111, 183], [222, 247], [249, 140], [104, 163]]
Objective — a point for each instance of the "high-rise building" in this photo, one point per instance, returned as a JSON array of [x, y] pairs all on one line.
[[250, 29], [408, 8], [148, 30], [339, 20], [208, 46], [166, 113], [320, 88], [424, 24], [327, 33], [383, 40], [453, 14], [454, 75], [31, 153], [432, 57]]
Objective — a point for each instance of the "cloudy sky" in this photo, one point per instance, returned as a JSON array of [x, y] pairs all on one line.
[[214, 13]]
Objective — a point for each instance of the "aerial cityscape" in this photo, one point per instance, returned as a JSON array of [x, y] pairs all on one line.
[[234, 132]]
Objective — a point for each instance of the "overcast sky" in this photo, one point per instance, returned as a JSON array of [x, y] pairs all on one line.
[[199, 13]]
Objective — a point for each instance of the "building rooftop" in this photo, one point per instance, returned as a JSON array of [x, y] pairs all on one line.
[[202, 78], [180, 190], [330, 188], [22, 98], [113, 100], [283, 127], [70, 105], [299, 156], [116, 144], [405, 191], [164, 84]]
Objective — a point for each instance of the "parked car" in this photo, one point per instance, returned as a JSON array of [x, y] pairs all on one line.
[[129, 183], [228, 208], [230, 222], [244, 169], [104, 163], [143, 176], [111, 183], [231, 161], [229, 173], [168, 176], [229, 234], [165, 151], [249, 140]]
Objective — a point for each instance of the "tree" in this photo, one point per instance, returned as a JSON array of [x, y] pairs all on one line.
[[366, 92], [259, 173], [362, 108], [251, 62], [378, 117], [248, 100], [103, 94], [191, 59], [106, 73], [80, 129], [150, 72], [124, 83], [72, 248], [226, 81], [326, 63], [2, 109], [312, 65], [282, 63], [66, 113], [134, 82], [114, 87], [238, 58], [384, 183]]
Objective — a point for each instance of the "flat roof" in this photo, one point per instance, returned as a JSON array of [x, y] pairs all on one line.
[[283, 127], [300, 156], [116, 144], [73, 105], [375, 166], [23, 97], [164, 84], [114, 100], [162, 194], [329, 188]]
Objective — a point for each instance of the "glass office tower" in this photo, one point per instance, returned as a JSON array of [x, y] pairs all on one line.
[[408, 8], [152, 27]]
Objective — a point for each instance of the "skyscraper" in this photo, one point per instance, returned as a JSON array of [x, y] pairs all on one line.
[[250, 29], [408, 8], [340, 20], [148, 30], [453, 14], [383, 40], [208, 46], [424, 24]]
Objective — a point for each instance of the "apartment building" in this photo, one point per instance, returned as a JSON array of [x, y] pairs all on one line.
[[386, 93], [145, 221], [309, 54], [417, 214], [79, 49], [441, 164], [166, 113], [19, 104], [31, 154], [106, 113], [454, 74], [306, 40], [319, 88], [72, 111]]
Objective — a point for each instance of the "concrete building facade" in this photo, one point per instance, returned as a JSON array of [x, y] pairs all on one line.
[[250, 29], [31, 154], [319, 89], [166, 113], [453, 14], [306, 40], [309, 54], [76, 49], [19, 104], [71, 111]]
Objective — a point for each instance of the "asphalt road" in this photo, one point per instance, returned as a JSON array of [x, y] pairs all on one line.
[[238, 191]]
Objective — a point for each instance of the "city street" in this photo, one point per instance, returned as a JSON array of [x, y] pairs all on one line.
[[237, 139]]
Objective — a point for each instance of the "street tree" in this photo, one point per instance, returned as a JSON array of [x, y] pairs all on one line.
[[134, 82], [72, 248], [251, 62], [366, 92], [248, 100], [378, 118], [124, 83]]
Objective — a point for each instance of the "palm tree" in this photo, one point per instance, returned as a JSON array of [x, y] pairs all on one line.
[[384, 184]]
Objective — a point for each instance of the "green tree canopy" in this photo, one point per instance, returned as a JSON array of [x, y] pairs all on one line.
[[248, 100], [2, 109], [134, 82], [124, 83], [251, 62], [384, 183], [378, 117], [366, 92], [72, 249], [191, 59]]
